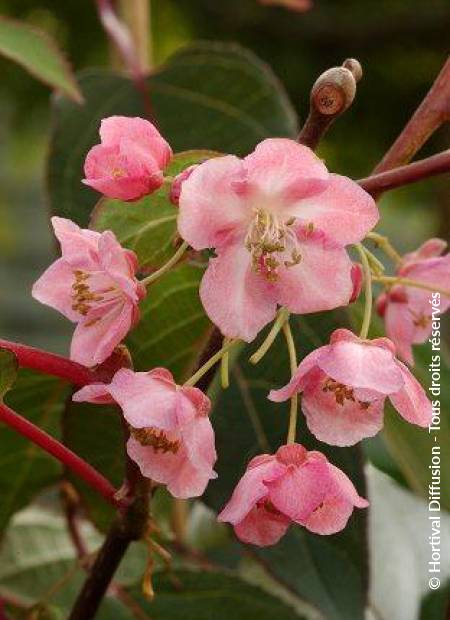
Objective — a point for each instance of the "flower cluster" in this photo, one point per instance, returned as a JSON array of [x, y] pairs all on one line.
[[279, 225]]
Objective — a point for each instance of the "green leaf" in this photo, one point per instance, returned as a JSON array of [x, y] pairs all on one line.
[[25, 469], [206, 595], [148, 226], [8, 371], [329, 572], [39, 55], [208, 96], [171, 333], [436, 605]]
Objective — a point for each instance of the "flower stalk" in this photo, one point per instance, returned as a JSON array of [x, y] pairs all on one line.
[[383, 242], [167, 266], [392, 280], [367, 291], [293, 410], [210, 363], [283, 316]]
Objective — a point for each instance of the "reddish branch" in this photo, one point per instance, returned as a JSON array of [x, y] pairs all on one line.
[[417, 171], [429, 116], [51, 364], [68, 458]]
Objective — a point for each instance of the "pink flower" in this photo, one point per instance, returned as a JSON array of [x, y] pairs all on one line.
[[92, 284], [344, 387], [130, 160], [171, 437], [279, 223], [407, 311], [291, 486]]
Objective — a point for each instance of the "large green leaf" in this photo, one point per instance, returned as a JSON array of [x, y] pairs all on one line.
[[148, 226], [207, 595], [329, 572], [25, 469], [208, 96], [38, 54]]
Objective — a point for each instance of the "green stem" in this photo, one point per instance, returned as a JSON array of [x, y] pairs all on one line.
[[225, 367], [367, 292], [376, 265], [165, 268], [210, 363], [283, 316], [391, 280], [293, 410], [383, 242]]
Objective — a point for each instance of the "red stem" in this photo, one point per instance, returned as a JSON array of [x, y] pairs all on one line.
[[431, 166], [51, 364], [53, 447]]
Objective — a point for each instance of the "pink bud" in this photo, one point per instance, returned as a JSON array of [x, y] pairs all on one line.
[[357, 279]]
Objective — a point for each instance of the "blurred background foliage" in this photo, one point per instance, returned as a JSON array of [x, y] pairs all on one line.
[[401, 46]]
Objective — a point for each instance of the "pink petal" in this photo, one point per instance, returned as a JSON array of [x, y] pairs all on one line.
[[251, 488], [400, 328], [189, 481], [362, 365], [340, 425], [261, 527], [431, 271], [200, 401], [282, 171], [321, 281], [331, 517], [428, 249], [236, 298], [411, 401], [209, 207], [96, 393], [96, 337], [300, 490], [306, 373], [198, 438], [115, 261], [343, 211], [345, 487], [145, 399], [79, 246], [54, 289]]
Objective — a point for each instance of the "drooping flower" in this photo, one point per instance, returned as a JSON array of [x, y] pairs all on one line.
[[292, 486], [407, 311], [130, 160], [171, 437], [345, 385], [279, 224], [93, 284]]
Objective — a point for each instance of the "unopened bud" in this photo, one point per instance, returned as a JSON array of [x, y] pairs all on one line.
[[175, 190]]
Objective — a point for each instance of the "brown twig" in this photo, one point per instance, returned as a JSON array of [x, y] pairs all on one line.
[[332, 93], [404, 175], [429, 116]]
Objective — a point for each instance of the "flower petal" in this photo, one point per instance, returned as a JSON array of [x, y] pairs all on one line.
[[251, 488], [343, 211], [280, 171], [400, 328], [306, 373], [300, 490], [340, 425], [54, 289], [210, 209], [145, 400], [236, 298], [97, 335], [321, 281], [261, 527], [411, 401], [95, 393], [362, 365]]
